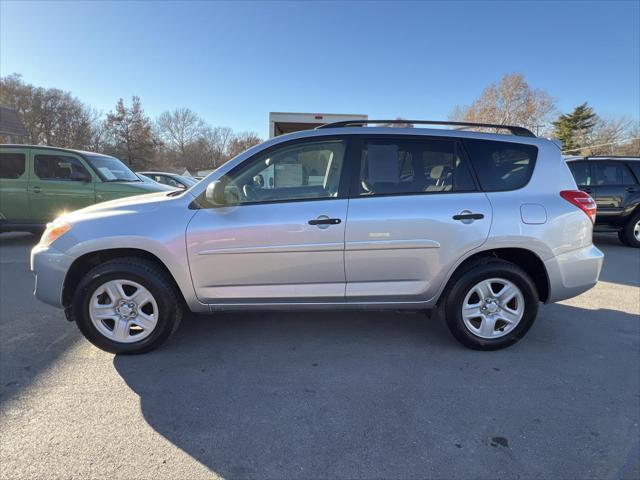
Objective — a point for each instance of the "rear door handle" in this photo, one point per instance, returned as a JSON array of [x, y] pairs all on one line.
[[324, 221], [468, 216], [36, 189], [632, 189]]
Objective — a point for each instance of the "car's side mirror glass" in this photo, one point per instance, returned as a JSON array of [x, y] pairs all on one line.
[[215, 193]]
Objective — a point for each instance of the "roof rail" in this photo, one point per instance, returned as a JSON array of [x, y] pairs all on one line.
[[519, 131]]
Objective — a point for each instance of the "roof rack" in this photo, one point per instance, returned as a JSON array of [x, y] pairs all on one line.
[[613, 157], [519, 131]]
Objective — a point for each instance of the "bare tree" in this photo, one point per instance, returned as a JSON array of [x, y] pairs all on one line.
[[216, 141], [129, 131], [180, 128], [51, 116], [613, 136], [242, 142], [510, 102]]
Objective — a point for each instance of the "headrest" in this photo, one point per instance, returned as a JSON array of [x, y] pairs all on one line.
[[436, 172]]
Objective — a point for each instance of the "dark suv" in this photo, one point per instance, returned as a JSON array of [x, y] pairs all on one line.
[[614, 183]]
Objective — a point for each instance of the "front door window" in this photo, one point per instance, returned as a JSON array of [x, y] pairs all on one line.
[[296, 172]]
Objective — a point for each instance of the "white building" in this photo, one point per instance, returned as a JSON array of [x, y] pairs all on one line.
[[287, 122]]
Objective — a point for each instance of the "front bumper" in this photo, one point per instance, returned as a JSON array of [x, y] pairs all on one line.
[[50, 268], [573, 273]]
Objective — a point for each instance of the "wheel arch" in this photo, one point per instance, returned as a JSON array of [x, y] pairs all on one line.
[[529, 261], [86, 262]]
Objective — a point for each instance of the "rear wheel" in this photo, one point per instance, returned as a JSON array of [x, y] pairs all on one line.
[[126, 306], [630, 234], [623, 238], [491, 305]]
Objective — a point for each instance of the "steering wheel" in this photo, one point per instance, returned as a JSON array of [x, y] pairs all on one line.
[[250, 192]]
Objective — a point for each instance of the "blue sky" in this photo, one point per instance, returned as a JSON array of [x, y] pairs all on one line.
[[234, 62]]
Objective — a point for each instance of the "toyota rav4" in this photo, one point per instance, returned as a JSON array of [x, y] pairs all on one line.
[[483, 226]]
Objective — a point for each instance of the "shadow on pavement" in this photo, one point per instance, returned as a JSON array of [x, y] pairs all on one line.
[[32, 335], [389, 395], [616, 255]]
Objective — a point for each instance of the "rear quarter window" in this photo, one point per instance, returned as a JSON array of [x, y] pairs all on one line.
[[501, 166], [12, 165]]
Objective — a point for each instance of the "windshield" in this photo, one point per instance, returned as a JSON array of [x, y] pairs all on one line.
[[111, 169], [188, 181]]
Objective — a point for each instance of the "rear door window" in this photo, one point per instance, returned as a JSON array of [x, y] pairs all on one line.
[[12, 165], [613, 173], [635, 166], [58, 167], [501, 166], [408, 166], [581, 173]]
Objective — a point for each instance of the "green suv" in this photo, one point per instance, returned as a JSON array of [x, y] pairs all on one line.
[[37, 184]]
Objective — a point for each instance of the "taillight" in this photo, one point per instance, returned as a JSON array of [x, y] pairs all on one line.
[[581, 200]]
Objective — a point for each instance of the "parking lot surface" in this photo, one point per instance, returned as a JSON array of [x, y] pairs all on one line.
[[367, 395]]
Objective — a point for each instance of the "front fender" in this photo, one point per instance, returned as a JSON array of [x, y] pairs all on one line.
[[172, 254]]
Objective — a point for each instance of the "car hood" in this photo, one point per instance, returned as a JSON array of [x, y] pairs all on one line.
[[123, 206], [133, 187]]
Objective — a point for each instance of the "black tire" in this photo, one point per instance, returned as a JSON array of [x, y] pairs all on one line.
[[623, 238], [627, 231], [145, 273], [465, 280]]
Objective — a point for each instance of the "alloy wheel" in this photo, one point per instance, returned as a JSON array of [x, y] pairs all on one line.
[[123, 311], [492, 308]]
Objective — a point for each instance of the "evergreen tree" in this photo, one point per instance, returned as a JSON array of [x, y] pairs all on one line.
[[575, 128]]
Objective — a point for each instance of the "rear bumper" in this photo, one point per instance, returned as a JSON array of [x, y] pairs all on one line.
[[50, 268], [573, 273]]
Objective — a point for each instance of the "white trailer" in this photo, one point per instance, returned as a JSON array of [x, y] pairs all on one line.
[[287, 122]]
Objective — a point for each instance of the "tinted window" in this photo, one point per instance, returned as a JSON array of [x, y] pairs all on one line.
[[501, 165], [302, 171], [613, 173], [582, 173], [58, 167], [412, 166], [12, 165], [635, 166]]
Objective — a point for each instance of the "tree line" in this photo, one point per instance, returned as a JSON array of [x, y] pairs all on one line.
[[177, 138], [512, 101], [181, 138]]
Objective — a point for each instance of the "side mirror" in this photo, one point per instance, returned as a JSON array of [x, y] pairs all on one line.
[[215, 193], [80, 176]]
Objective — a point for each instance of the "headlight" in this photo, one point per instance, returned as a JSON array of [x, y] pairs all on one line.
[[53, 232]]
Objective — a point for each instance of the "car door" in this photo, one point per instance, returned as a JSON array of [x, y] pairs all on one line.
[[59, 182], [280, 235], [14, 176], [413, 211], [615, 186]]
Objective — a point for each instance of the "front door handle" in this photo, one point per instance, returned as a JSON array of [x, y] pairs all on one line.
[[632, 189], [36, 189], [323, 220], [468, 216]]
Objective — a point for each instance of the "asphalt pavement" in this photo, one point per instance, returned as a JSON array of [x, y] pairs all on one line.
[[367, 395]]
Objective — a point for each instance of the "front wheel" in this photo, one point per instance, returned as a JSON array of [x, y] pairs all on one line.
[[491, 305], [126, 305]]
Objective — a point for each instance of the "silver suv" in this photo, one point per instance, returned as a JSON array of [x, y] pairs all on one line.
[[483, 226]]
